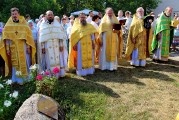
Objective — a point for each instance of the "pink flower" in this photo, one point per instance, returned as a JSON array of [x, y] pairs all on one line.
[[39, 77], [56, 70], [47, 73]]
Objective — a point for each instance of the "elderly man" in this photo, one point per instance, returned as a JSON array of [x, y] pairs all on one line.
[[137, 44], [53, 50], [81, 54], [161, 39], [17, 47], [110, 41]]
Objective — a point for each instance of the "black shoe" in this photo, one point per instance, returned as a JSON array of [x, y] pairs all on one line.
[[154, 60]]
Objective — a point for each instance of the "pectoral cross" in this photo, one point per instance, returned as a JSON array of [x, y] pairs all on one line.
[[16, 32]]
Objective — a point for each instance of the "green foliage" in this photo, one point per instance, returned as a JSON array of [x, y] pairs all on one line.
[[24, 92], [60, 7], [46, 85]]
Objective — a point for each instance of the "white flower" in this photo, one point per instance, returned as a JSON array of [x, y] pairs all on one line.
[[42, 73], [10, 95], [34, 67], [15, 94], [18, 73], [9, 82], [1, 86], [7, 103]]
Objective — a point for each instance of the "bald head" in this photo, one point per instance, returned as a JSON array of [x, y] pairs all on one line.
[[168, 11], [50, 16], [109, 12]]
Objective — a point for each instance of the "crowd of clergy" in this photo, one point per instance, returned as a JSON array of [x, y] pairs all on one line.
[[83, 42]]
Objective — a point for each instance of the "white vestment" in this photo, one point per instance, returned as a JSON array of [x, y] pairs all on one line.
[[95, 24], [51, 38], [128, 23], [89, 19]]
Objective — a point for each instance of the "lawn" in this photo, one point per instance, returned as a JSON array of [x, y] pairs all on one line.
[[150, 93]]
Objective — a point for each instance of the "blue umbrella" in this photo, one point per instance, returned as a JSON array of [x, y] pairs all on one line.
[[86, 11]]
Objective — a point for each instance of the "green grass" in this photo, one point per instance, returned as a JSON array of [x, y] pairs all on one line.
[[150, 93]]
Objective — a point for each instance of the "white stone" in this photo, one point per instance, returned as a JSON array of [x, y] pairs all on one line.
[[29, 110]]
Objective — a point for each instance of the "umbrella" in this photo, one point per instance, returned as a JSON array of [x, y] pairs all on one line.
[[86, 11]]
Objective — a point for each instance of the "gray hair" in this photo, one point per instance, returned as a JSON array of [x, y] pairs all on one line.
[[109, 8], [168, 8], [140, 8]]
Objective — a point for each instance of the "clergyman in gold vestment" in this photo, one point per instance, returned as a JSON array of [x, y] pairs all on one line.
[[110, 41], [17, 47], [138, 46], [81, 54]]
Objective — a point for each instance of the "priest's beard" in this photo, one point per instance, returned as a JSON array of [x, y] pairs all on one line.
[[15, 19], [50, 20], [140, 16], [110, 19], [167, 14], [83, 23]]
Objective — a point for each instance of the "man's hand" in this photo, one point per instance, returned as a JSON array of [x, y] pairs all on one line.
[[158, 36], [93, 45], [115, 31], [134, 41], [43, 50], [75, 48], [150, 21], [28, 51], [8, 52], [61, 48], [101, 44]]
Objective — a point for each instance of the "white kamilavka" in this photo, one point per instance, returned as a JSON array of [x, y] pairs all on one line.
[[7, 103]]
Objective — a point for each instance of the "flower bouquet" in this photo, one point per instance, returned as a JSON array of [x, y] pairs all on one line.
[[45, 80]]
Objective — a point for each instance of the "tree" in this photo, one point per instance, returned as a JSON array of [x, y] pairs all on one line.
[[60, 7]]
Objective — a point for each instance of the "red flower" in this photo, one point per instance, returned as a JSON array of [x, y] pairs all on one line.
[[39, 77], [56, 70], [47, 73]]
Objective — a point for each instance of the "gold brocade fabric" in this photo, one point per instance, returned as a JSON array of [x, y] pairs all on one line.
[[19, 34], [177, 118], [82, 34], [138, 32], [86, 51], [113, 40]]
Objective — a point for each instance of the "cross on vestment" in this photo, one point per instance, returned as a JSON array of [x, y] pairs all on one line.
[[16, 32]]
